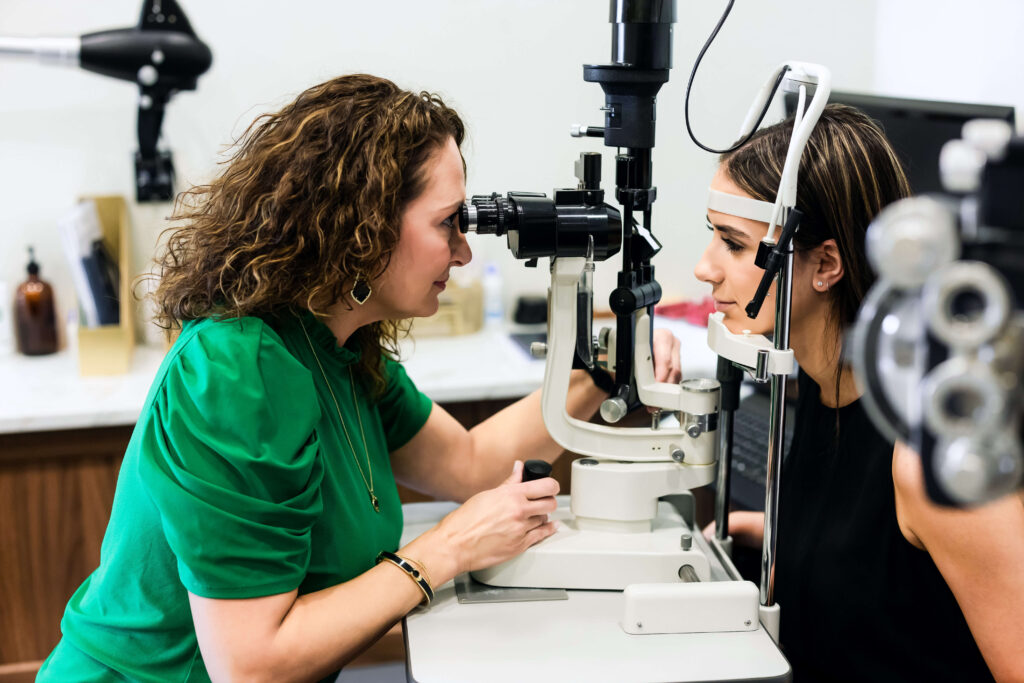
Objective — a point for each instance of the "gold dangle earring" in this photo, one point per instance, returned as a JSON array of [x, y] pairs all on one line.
[[361, 290]]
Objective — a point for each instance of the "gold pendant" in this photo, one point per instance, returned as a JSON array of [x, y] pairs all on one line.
[[376, 503]]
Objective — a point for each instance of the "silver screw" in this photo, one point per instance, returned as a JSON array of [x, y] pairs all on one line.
[[688, 574], [677, 454], [686, 541], [693, 430]]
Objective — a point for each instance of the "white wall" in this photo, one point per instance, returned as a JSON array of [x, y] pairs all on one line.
[[952, 50], [512, 67]]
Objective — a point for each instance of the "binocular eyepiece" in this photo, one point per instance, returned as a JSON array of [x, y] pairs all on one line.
[[486, 215], [571, 224]]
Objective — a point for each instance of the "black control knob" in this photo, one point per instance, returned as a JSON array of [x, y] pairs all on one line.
[[536, 469]]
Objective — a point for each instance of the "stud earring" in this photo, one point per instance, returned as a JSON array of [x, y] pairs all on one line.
[[361, 290], [820, 283]]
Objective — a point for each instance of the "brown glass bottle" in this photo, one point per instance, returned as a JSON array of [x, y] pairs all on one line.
[[36, 319]]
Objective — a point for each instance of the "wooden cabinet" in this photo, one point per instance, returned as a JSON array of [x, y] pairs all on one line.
[[56, 489]]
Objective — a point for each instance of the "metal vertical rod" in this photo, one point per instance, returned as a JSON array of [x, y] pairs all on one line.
[[724, 472], [776, 427]]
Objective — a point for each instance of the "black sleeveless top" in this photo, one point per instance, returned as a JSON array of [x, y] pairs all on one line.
[[859, 602]]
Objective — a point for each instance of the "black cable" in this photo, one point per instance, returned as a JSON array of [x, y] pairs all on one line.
[[689, 84]]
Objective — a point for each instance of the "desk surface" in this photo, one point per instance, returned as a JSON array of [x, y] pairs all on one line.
[[45, 393], [578, 639]]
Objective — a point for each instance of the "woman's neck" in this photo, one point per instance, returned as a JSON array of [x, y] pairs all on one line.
[[817, 349], [344, 319]]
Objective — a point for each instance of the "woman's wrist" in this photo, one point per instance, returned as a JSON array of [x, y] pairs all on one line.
[[435, 555]]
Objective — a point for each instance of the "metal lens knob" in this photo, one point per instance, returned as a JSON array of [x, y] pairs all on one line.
[[960, 166], [910, 239], [613, 409], [967, 303], [962, 398], [977, 470]]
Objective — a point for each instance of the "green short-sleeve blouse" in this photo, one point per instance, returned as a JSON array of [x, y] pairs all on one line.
[[238, 482]]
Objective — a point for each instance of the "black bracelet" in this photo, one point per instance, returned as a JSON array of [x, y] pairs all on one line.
[[414, 573]]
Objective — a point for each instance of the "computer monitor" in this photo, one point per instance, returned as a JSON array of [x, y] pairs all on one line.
[[917, 128]]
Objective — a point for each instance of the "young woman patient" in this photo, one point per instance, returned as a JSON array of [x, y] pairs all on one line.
[[875, 582]]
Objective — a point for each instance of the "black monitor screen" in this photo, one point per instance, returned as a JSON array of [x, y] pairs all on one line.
[[917, 128]]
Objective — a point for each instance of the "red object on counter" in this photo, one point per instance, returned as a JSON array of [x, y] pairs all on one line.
[[693, 312]]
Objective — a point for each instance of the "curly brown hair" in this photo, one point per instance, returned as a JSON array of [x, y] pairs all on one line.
[[310, 200]]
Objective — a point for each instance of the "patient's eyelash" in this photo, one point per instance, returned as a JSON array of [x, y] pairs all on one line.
[[733, 247]]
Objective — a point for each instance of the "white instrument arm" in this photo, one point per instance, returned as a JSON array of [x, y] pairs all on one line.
[[615, 443]]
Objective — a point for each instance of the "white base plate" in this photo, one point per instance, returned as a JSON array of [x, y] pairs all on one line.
[[601, 560]]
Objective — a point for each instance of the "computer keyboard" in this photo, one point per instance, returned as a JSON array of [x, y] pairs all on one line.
[[750, 451]]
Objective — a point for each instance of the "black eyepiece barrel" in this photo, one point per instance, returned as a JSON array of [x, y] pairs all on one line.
[[538, 226], [485, 214]]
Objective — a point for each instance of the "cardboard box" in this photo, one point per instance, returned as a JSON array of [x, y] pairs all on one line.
[[460, 311]]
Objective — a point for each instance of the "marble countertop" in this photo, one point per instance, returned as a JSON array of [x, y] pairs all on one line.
[[46, 393]]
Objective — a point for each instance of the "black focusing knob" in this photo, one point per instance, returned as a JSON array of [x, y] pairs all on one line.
[[536, 469]]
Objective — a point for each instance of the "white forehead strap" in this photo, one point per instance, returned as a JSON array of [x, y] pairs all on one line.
[[741, 207]]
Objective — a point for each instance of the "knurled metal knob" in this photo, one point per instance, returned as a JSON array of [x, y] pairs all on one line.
[[613, 409]]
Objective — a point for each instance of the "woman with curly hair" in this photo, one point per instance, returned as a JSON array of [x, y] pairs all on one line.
[[258, 491]]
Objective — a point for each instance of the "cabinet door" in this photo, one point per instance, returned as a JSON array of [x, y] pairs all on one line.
[[56, 491]]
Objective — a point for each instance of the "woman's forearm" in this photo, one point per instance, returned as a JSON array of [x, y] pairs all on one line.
[[518, 432], [300, 638], [287, 637]]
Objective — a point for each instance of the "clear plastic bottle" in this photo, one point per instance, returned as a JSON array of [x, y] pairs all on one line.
[[494, 305]]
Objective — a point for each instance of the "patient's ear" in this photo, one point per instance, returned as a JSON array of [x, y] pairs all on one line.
[[827, 264]]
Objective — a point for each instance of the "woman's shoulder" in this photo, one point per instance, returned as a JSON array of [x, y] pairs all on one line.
[[245, 354], [232, 331], [231, 340]]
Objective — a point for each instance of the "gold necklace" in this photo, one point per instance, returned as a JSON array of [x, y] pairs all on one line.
[[368, 483]]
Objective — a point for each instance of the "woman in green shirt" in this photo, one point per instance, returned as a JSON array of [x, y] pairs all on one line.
[[259, 485]]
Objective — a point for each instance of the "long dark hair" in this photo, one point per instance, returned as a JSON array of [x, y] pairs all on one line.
[[311, 199], [848, 173]]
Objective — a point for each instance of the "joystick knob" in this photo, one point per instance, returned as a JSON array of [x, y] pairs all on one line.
[[536, 469]]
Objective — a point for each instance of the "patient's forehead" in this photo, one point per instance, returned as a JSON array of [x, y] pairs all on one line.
[[723, 182]]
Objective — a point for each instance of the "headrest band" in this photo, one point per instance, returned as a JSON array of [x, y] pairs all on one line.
[[741, 207]]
